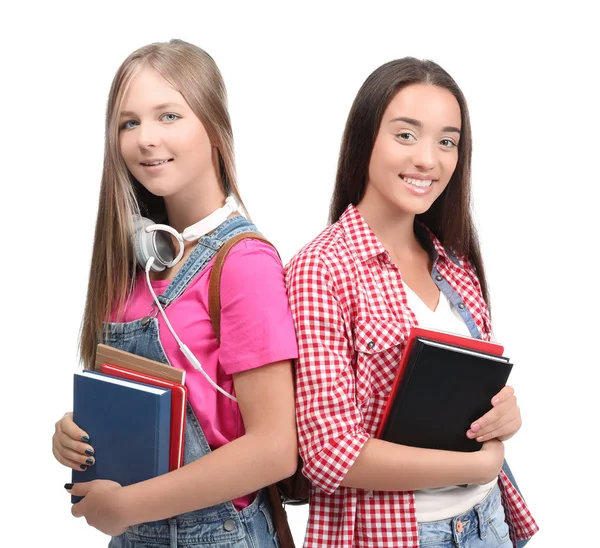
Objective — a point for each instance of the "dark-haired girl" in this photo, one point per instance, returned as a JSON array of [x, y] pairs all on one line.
[[401, 250]]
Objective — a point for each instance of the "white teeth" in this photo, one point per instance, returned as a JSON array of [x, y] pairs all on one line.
[[157, 162], [418, 182]]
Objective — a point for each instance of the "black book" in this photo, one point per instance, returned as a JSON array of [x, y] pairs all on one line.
[[442, 389]]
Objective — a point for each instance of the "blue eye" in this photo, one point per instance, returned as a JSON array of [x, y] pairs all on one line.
[[129, 124], [169, 117]]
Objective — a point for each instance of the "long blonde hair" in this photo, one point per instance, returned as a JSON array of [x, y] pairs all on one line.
[[194, 74]]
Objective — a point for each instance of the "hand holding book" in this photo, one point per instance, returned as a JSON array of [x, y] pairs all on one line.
[[129, 423], [135, 412], [445, 383], [71, 444], [501, 422], [100, 504]]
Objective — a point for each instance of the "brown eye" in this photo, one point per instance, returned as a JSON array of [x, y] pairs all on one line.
[[447, 143]]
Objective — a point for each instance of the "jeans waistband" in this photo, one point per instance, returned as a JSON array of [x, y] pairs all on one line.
[[473, 521]]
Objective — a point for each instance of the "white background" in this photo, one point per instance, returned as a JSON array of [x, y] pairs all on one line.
[[529, 72]]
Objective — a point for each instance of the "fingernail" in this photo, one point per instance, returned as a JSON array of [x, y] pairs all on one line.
[[495, 401], [471, 434], [83, 466], [89, 461], [89, 452], [68, 486], [85, 439], [480, 438], [475, 427]]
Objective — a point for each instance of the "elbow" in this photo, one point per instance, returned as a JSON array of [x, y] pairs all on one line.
[[327, 464], [292, 459], [289, 457], [284, 456]]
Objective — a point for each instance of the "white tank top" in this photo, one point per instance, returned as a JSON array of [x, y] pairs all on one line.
[[443, 502]]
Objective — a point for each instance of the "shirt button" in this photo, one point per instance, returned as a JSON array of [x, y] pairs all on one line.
[[461, 305], [371, 345], [439, 278], [229, 525]]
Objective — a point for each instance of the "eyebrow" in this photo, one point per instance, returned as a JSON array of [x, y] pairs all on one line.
[[162, 106], [416, 123]]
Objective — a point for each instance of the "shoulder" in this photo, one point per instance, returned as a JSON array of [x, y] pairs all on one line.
[[252, 270], [251, 254], [256, 323], [325, 253]]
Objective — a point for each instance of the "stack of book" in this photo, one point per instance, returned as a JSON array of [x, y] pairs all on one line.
[[134, 411], [444, 383]]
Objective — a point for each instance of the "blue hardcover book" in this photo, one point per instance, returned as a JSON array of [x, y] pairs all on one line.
[[129, 424]]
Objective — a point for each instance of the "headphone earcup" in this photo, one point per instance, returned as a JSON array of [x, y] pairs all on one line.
[[154, 244]]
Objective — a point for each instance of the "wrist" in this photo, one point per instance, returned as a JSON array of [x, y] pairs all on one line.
[[122, 507], [481, 468], [489, 460]]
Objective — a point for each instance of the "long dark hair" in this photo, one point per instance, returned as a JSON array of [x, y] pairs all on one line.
[[449, 218]]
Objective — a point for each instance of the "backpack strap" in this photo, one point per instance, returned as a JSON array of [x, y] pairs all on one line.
[[214, 309], [280, 521], [214, 282]]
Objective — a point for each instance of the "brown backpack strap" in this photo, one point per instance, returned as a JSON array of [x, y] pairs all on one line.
[[214, 282], [214, 309], [280, 521]]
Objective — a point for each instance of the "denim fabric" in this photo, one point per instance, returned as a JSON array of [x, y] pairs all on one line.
[[220, 525], [483, 526]]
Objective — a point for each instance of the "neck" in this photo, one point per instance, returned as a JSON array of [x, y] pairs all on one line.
[[393, 227], [195, 203]]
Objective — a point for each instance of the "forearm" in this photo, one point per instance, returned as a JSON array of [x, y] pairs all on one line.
[[243, 466], [385, 466]]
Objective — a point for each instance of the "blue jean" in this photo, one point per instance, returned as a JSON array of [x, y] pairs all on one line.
[[217, 526], [483, 526]]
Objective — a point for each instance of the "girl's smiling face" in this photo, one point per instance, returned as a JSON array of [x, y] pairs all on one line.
[[416, 149], [163, 143]]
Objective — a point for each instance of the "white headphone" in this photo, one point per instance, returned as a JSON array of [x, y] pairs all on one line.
[[154, 251], [150, 240]]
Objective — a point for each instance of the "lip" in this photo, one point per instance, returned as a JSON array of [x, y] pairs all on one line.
[[419, 176]]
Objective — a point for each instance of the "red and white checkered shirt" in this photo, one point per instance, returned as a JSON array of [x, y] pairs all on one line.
[[352, 322]]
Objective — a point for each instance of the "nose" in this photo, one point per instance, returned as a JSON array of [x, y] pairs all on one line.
[[424, 154], [148, 136]]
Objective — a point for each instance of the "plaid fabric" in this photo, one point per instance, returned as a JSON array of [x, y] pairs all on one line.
[[352, 322]]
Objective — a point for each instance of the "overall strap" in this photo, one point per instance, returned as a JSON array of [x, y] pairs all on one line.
[[206, 248]]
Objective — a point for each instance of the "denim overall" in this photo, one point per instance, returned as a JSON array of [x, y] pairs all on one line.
[[220, 525]]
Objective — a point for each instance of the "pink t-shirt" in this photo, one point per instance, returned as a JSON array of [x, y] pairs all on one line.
[[256, 329]]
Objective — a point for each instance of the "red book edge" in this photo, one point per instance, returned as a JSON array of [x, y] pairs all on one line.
[[178, 407], [469, 343]]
